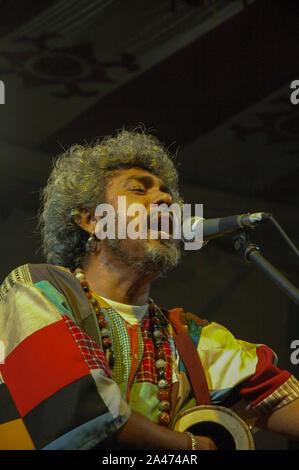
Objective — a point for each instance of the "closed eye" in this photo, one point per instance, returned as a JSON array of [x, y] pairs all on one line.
[[138, 190]]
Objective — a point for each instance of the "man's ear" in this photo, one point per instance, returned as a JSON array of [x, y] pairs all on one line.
[[84, 217]]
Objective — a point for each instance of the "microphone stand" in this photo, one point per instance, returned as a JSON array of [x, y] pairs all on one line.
[[251, 253]]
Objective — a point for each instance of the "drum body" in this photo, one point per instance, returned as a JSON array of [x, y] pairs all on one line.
[[222, 425]]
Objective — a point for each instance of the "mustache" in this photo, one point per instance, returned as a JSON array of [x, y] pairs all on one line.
[[162, 219]]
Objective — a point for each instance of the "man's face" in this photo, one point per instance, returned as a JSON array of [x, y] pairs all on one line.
[[150, 255]]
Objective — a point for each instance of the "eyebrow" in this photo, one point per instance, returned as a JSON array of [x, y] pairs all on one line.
[[144, 179], [147, 180]]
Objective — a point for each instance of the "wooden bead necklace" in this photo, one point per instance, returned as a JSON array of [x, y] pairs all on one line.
[[158, 338]]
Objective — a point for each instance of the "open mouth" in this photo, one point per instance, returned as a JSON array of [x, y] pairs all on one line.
[[161, 226]]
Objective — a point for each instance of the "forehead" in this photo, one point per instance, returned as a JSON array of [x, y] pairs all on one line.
[[123, 175]]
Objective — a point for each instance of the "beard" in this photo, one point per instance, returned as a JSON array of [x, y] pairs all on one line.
[[154, 259]]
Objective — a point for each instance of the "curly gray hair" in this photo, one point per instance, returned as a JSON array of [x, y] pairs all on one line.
[[78, 179]]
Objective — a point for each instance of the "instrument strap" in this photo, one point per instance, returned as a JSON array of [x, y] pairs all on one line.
[[190, 358]]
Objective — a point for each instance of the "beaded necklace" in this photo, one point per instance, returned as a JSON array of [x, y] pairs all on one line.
[[158, 338]]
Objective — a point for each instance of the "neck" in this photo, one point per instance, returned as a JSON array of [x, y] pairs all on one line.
[[109, 277]]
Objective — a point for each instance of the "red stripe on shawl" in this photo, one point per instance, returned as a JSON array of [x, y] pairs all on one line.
[[43, 363], [266, 379]]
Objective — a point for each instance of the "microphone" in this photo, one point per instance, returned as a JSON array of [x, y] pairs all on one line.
[[206, 229]]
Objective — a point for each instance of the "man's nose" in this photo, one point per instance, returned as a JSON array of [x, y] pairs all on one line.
[[162, 198]]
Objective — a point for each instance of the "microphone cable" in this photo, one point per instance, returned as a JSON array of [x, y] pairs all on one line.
[[283, 233]]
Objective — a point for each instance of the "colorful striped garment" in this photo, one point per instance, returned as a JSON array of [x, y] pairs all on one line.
[[56, 388]]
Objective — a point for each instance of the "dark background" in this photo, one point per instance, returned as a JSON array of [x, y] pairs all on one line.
[[211, 79]]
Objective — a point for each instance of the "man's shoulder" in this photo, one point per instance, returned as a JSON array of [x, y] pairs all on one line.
[[21, 274], [185, 318], [30, 274]]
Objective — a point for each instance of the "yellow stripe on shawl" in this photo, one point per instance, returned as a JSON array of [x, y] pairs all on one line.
[[226, 360], [14, 436]]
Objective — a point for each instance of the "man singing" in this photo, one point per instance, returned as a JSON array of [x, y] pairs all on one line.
[[90, 360]]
